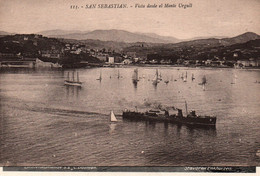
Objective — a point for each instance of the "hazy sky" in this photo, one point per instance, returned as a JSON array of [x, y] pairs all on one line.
[[205, 18]]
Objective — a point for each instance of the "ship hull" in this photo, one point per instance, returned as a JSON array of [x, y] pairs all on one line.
[[199, 120], [72, 83]]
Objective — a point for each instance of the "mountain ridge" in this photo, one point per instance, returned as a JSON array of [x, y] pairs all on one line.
[[109, 35], [123, 36], [130, 37]]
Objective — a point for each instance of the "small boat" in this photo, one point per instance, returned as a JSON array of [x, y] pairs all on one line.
[[72, 82], [185, 78], [118, 75], [182, 76], [203, 82], [192, 77], [166, 81], [135, 76], [155, 79], [160, 77], [100, 76], [112, 117]]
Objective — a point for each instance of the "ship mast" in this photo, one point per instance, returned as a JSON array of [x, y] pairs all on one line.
[[186, 107], [68, 76], [77, 76]]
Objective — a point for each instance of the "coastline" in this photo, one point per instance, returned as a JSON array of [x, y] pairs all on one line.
[[134, 65]]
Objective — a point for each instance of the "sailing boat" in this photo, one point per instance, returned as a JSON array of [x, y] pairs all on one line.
[[204, 81], [192, 77], [160, 77], [155, 79], [185, 78], [186, 107], [73, 82], [182, 76], [167, 80], [112, 117], [234, 79], [100, 76], [135, 76], [118, 74]]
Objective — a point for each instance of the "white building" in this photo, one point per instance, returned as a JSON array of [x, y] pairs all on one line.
[[111, 60], [127, 61]]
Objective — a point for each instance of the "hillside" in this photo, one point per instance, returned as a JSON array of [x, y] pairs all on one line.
[[250, 49], [3, 33], [168, 39], [30, 44], [244, 46], [111, 35], [21, 46], [58, 32], [241, 38], [213, 42]]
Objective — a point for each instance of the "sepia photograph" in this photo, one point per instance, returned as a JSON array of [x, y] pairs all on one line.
[[142, 85]]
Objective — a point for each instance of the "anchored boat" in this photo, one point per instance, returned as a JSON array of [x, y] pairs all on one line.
[[156, 79], [135, 76], [72, 81], [100, 76]]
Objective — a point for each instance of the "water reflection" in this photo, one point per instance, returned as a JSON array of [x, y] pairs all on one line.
[[135, 84], [191, 129], [31, 70], [25, 92], [181, 142], [155, 86], [72, 91], [112, 127]]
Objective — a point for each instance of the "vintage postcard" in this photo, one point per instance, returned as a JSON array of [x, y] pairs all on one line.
[[130, 86]]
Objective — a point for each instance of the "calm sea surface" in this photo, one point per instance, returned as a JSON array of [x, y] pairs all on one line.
[[46, 123]]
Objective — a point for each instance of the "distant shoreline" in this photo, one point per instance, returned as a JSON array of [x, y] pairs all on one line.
[[131, 65], [181, 66]]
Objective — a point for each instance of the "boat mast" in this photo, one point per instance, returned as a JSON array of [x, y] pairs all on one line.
[[78, 76], [68, 76], [204, 81], [156, 74], [186, 107], [100, 75], [136, 74]]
